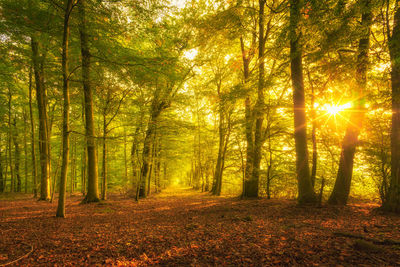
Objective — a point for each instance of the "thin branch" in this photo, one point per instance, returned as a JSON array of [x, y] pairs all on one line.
[[20, 258]]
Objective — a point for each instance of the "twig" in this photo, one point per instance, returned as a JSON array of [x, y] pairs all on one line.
[[20, 258]]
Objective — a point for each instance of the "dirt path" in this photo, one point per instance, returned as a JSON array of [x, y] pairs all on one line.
[[181, 227]]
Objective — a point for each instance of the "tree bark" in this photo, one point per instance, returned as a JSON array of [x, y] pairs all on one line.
[[134, 159], [2, 181], [306, 192], [313, 135], [251, 186], [25, 153], [43, 121], [33, 146], [125, 160], [342, 186], [65, 135], [157, 106], [92, 187], [17, 157], [142, 185], [10, 137], [216, 190], [104, 158], [392, 202]]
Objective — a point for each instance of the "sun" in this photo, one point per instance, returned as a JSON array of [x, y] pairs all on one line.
[[333, 109]]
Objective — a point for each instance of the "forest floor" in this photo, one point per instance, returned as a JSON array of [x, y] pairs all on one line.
[[186, 228]]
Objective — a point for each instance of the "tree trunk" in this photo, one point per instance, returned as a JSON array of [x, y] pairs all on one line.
[[251, 187], [6, 167], [104, 157], [392, 202], [33, 147], [17, 154], [156, 109], [84, 154], [92, 187], [73, 166], [43, 127], [269, 168], [65, 135], [249, 123], [306, 192], [134, 159], [313, 135], [125, 160], [10, 137], [2, 182], [216, 190], [146, 161], [341, 189], [25, 154]]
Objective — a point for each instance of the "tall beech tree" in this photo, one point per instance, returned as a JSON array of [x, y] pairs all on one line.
[[306, 192], [341, 189], [251, 184], [92, 194], [38, 68], [392, 201], [66, 110], [33, 141]]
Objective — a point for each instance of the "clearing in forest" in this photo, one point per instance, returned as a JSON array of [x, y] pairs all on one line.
[[182, 227]]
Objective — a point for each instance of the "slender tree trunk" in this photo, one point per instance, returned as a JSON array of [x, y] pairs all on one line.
[[313, 135], [249, 122], [6, 166], [10, 137], [17, 155], [43, 121], [134, 159], [33, 146], [342, 186], [83, 169], [207, 174], [225, 149], [65, 136], [165, 173], [84, 155], [306, 192], [149, 175], [1, 174], [392, 202], [269, 168], [25, 153], [73, 166], [125, 159], [55, 174], [92, 193], [104, 157]]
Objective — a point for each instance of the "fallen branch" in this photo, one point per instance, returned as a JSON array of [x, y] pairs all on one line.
[[373, 240], [20, 258]]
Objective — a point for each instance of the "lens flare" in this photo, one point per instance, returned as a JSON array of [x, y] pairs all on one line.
[[333, 109]]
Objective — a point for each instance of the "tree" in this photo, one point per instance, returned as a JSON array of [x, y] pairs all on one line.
[[92, 194], [341, 190], [38, 68], [66, 110], [306, 192], [392, 201]]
